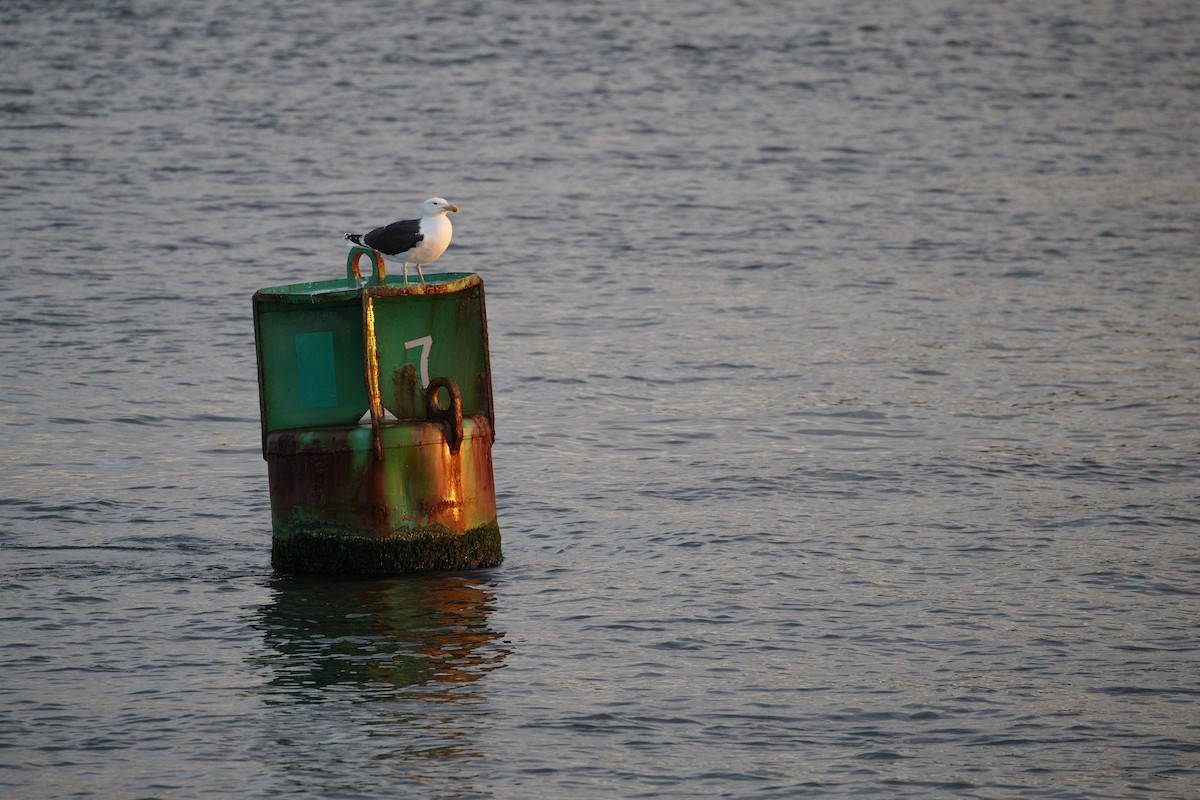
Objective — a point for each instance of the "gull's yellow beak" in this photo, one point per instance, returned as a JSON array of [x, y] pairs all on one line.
[[452, 207]]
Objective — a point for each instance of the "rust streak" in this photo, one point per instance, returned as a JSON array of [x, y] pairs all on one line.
[[404, 388], [371, 368]]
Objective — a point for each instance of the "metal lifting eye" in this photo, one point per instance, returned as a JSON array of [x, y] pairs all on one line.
[[353, 271], [450, 417]]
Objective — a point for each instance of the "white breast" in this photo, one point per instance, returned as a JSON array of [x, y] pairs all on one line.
[[437, 232]]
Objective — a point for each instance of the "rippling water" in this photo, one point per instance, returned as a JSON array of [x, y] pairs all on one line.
[[847, 363]]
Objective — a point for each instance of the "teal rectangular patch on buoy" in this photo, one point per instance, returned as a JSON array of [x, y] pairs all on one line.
[[316, 371]]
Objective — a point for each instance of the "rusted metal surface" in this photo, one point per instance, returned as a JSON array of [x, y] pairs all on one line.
[[336, 507], [330, 479]]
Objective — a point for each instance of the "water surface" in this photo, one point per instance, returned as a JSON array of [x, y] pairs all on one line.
[[846, 365]]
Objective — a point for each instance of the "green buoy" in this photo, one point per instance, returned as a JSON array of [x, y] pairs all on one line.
[[377, 423]]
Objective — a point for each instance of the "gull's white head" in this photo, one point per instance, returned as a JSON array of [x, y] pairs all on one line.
[[437, 205]]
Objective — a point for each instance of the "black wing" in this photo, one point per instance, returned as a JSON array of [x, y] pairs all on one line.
[[399, 237]]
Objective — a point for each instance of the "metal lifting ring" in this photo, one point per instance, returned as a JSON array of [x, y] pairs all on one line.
[[451, 418], [352, 269]]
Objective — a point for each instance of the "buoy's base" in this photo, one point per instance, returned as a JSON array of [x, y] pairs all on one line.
[[331, 549], [337, 508]]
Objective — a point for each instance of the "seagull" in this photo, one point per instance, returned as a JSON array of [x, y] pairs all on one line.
[[416, 241]]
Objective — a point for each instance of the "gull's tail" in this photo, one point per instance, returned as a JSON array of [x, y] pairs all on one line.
[[355, 238]]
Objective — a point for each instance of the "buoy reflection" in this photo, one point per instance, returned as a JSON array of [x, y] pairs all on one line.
[[329, 637]]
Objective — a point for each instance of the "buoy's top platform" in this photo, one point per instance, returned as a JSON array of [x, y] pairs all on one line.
[[349, 288]]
